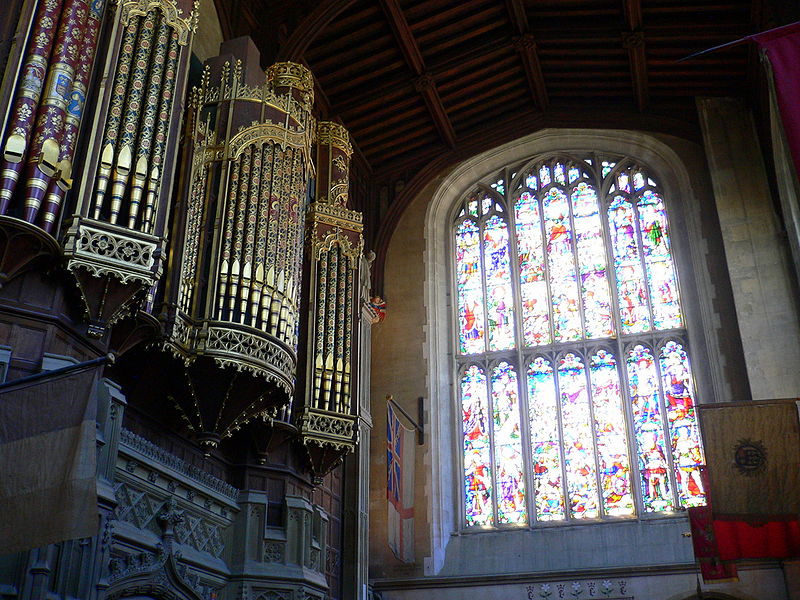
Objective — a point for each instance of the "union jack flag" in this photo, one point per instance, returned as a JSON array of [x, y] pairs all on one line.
[[394, 453], [400, 486]]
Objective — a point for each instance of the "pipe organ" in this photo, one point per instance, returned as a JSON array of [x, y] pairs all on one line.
[[41, 129], [335, 245], [237, 296], [115, 242], [202, 241], [260, 304]]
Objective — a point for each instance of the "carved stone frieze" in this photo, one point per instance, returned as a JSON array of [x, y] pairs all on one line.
[[159, 574], [161, 456], [145, 511], [137, 507], [275, 595], [200, 534], [274, 552]]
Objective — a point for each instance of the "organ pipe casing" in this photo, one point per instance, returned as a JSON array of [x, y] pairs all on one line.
[[237, 294], [335, 244], [114, 242]]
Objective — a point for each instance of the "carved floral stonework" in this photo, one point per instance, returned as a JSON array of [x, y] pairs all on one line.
[[608, 589], [144, 511], [161, 456], [274, 552]]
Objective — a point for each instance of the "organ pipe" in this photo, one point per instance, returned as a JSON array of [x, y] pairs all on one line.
[[327, 417]]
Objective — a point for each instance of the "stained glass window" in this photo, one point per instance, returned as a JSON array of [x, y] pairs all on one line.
[[575, 382]]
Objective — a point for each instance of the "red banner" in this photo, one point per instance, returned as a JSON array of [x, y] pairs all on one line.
[[782, 46]]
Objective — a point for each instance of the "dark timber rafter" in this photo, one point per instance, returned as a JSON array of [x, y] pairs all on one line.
[[324, 106], [423, 81], [525, 44], [301, 38], [633, 40]]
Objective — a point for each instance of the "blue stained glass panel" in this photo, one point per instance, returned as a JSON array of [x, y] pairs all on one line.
[[558, 174], [508, 446], [545, 442], [544, 175], [477, 454], [578, 439]]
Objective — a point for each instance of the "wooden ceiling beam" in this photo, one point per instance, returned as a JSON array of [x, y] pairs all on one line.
[[423, 81], [633, 42], [519, 18], [426, 86], [302, 37], [407, 142], [464, 59], [404, 36], [525, 45], [393, 116], [471, 24], [445, 68], [395, 92]]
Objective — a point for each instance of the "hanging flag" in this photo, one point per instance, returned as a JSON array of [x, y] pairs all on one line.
[[753, 458], [48, 490], [753, 477], [400, 486], [782, 47], [706, 548]]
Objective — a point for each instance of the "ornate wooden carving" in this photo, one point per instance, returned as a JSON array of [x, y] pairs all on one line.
[[327, 414], [236, 295]]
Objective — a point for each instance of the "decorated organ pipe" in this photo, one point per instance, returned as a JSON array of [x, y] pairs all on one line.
[[114, 241], [239, 255], [331, 289], [57, 187], [63, 36], [129, 171]]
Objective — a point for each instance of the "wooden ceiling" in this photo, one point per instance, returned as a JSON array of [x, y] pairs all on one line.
[[413, 79], [422, 84]]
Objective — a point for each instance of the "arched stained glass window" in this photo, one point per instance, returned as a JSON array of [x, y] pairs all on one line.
[[574, 374]]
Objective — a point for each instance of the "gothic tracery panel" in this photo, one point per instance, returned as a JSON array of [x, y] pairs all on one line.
[[611, 430]]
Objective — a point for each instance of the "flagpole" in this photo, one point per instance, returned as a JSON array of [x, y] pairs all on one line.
[[417, 426], [735, 42]]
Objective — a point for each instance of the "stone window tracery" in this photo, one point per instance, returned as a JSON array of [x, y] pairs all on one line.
[[573, 370]]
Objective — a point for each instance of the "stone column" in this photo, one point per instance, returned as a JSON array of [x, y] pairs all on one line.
[[356, 493], [755, 250]]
